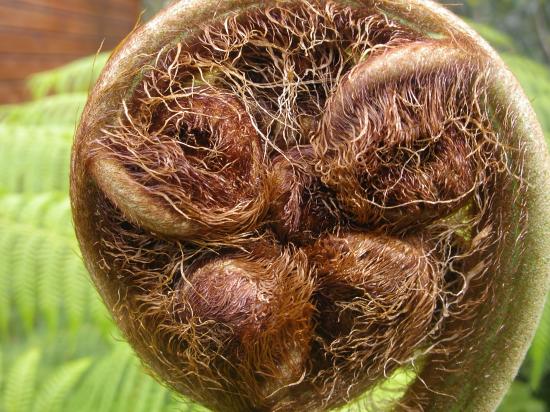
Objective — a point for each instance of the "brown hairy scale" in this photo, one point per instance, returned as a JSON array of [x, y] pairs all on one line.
[[196, 155], [296, 201], [302, 207], [414, 151], [371, 290]]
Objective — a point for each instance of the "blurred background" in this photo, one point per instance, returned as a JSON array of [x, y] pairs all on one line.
[[59, 351]]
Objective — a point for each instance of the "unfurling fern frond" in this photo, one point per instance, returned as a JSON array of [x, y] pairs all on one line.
[[77, 76], [350, 187], [535, 79], [44, 285]]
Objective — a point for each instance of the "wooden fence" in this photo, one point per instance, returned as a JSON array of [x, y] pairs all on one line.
[[37, 35]]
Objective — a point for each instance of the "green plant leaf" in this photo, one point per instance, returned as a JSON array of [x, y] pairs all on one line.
[[61, 109], [520, 399], [20, 384], [34, 159], [58, 385]]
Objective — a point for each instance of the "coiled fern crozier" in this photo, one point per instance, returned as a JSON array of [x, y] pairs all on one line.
[[283, 203]]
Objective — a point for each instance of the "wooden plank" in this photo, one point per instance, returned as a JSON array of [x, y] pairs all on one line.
[[52, 43], [36, 19], [38, 35], [13, 92], [20, 66], [116, 8]]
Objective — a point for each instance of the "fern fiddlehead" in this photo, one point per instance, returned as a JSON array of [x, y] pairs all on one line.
[[288, 201]]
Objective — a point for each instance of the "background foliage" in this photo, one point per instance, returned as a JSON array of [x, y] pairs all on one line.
[[59, 350]]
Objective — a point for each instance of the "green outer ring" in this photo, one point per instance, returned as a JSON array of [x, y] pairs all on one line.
[[483, 387], [480, 389]]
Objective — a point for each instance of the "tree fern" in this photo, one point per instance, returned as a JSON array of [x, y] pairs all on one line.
[[158, 401], [2, 371], [49, 211], [99, 315], [20, 384], [77, 76], [117, 383], [57, 218], [58, 385], [48, 131]]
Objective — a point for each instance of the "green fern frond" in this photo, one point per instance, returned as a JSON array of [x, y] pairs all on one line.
[[126, 394], [6, 242], [146, 392], [158, 401], [29, 261], [102, 382], [112, 382], [57, 218], [42, 273], [57, 109], [58, 385], [20, 384], [34, 160], [77, 288], [48, 211], [23, 275], [117, 382], [77, 76], [14, 131]]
